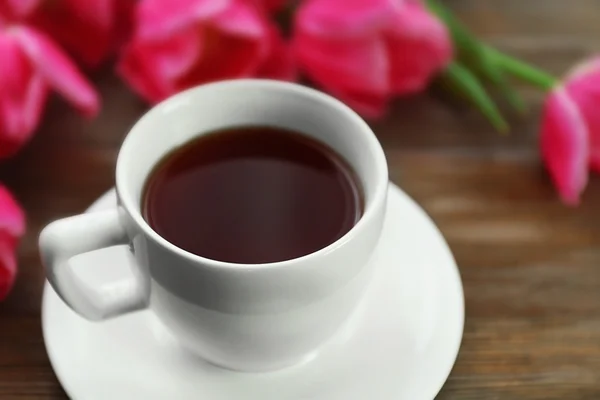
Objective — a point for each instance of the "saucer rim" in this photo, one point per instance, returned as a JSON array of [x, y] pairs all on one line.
[[460, 298]]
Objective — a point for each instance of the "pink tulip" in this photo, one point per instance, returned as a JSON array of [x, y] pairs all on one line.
[[367, 51], [12, 227], [570, 131], [31, 65], [17, 9], [182, 43], [270, 6], [89, 29]]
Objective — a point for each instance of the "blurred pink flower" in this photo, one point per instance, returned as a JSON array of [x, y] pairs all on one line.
[[31, 65], [178, 44], [12, 227], [89, 29], [270, 6], [367, 51], [17, 9], [570, 131]]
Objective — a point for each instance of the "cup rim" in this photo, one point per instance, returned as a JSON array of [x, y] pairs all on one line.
[[378, 196]]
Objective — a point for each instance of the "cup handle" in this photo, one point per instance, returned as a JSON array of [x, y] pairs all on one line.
[[66, 238]]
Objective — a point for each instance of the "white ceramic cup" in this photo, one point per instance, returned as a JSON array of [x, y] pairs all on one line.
[[252, 317]]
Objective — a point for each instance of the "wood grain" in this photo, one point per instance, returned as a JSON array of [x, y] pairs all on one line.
[[530, 266]]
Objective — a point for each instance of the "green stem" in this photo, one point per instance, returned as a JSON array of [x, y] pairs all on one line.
[[464, 40], [463, 81], [472, 53], [468, 45], [489, 69], [522, 70]]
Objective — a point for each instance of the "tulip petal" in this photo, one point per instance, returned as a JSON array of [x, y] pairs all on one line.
[[564, 145], [12, 217], [242, 20], [419, 46], [366, 104], [18, 8], [226, 43], [359, 66], [24, 93], [171, 59], [595, 159], [20, 117], [280, 62], [12, 227], [269, 6], [15, 74], [224, 56], [583, 86], [135, 67], [97, 12], [36, 94], [158, 19], [58, 71], [84, 28], [152, 68], [345, 19], [8, 268]]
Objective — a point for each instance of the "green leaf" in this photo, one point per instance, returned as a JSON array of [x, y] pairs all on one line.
[[457, 77], [465, 42], [490, 71], [522, 70], [476, 55]]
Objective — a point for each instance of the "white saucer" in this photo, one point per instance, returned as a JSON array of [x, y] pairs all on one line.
[[401, 345]]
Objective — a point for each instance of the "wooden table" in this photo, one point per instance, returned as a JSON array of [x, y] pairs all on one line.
[[530, 266]]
